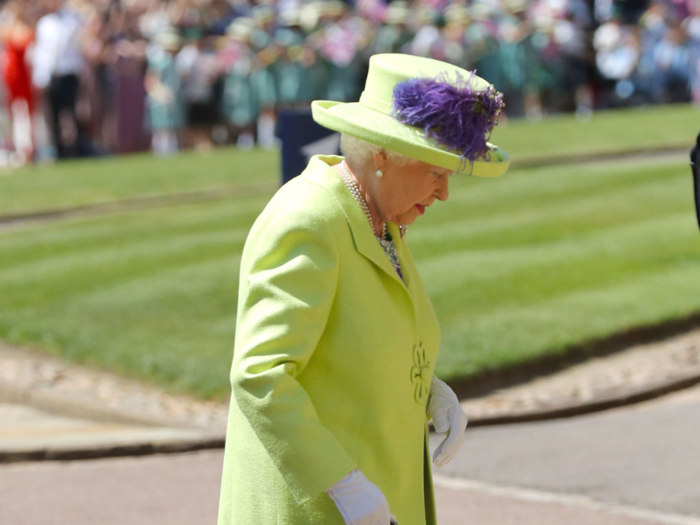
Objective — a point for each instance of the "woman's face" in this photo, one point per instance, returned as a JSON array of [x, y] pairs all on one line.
[[405, 192]]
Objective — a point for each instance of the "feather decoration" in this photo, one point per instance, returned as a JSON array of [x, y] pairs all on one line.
[[454, 114]]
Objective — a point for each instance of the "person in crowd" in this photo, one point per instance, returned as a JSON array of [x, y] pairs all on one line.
[[266, 53], [218, 17], [164, 105], [17, 36], [691, 25], [617, 54], [514, 43], [570, 36], [336, 340], [456, 22], [428, 40], [240, 105], [481, 43], [97, 89], [343, 39], [157, 19], [199, 69], [288, 67], [128, 65], [673, 66], [394, 33], [58, 61]]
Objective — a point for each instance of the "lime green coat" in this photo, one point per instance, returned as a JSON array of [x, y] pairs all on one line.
[[332, 364]]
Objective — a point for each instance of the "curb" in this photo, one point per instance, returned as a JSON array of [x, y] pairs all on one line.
[[117, 451], [629, 397]]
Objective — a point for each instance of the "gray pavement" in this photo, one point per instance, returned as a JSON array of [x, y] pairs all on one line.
[[631, 466], [645, 456], [183, 489], [177, 489]]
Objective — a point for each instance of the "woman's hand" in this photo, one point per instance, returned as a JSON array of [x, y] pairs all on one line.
[[360, 501], [448, 416]]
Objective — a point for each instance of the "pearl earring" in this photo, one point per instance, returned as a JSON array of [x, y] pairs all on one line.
[[380, 173]]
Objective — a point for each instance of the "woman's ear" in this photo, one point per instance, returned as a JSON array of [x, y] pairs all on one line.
[[380, 159]]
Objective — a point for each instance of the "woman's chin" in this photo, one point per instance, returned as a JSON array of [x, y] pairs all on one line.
[[408, 218]]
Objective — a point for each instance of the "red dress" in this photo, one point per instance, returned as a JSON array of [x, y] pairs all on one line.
[[15, 71]]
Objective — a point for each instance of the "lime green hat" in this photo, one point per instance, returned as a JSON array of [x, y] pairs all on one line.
[[424, 109]]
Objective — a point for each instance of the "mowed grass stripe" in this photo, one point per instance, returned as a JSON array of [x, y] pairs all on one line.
[[130, 251], [613, 131], [515, 335], [493, 279], [69, 184], [46, 244]]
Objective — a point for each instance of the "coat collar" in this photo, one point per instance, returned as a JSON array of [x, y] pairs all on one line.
[[320, 172]]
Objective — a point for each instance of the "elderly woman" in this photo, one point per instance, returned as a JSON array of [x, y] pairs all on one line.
[[336, 338]]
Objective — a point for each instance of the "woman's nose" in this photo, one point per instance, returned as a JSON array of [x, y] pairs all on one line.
[[443, 191]]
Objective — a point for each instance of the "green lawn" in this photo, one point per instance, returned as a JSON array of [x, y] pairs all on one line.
[[82, 182], [89, 181], [517, 268], [650, 127]]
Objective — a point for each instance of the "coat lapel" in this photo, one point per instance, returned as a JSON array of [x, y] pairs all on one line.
[[320, 172]]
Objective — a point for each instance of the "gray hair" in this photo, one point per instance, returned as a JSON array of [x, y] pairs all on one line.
[[360, 152]]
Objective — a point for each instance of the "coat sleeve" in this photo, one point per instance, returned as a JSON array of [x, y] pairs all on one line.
[[288, 282]]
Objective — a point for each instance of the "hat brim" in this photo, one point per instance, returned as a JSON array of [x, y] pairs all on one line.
[[375, 127]]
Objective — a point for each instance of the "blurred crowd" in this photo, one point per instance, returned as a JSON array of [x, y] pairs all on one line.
[[92, 77]]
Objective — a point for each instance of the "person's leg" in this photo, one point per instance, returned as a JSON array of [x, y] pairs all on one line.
[[157, 142], [63, 98], [71, 85], [53, 114], [22, 129], [266, 129], [172, 141]]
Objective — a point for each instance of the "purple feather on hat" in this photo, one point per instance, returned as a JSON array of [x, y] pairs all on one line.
[[453, 114]]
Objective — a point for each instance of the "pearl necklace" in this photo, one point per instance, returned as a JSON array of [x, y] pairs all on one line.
[[385, 241], [350, 183]]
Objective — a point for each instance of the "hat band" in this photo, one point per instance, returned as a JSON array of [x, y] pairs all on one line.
[[376, 104]]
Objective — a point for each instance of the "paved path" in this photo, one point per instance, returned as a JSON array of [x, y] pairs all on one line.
[[183, 490], [644, 456], [632, 466]]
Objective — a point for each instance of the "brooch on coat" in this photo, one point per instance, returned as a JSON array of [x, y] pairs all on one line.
[[420, 373]]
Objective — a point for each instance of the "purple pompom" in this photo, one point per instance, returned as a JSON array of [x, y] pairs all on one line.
[[454, 114]]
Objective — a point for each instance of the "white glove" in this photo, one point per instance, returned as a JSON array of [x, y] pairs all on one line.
[[360, 501], [448, 416]]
